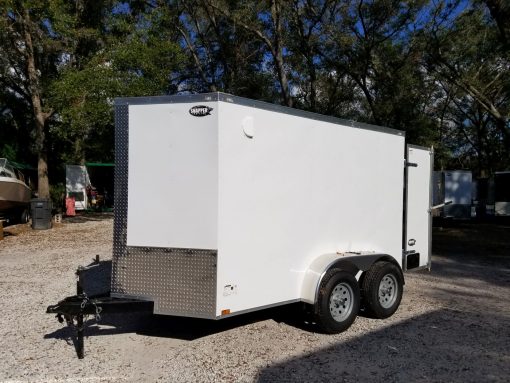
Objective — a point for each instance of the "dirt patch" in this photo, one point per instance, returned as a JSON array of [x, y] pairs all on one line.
[[452, 324]]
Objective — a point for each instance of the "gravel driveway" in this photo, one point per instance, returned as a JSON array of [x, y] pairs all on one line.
[[453, 323]]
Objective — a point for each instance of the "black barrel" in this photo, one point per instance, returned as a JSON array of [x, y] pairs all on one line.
[[41, 213]]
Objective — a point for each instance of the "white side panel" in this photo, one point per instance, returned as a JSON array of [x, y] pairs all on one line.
[[173, 177], [297, 189], [419, 202]]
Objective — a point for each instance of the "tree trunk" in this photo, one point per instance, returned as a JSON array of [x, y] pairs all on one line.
[[275, 45], [43, 189], [39, 116], [278, 53]]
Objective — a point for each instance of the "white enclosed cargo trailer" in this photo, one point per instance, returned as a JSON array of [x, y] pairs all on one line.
[[77, 181], [502, 193], [225, 205]]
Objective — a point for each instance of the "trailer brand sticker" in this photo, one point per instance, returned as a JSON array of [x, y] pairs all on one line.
[[200, 110]]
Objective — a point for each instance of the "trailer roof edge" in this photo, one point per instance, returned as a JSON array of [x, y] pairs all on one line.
[[225, 97], [429, 148]]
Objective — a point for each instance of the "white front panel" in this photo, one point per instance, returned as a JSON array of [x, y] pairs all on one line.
[[419, 202], [173, 177], [292, 189]]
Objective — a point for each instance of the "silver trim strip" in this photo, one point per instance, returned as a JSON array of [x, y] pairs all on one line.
[[429, 263], [404, 210]]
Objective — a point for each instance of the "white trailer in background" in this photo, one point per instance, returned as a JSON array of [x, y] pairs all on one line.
[[454, 188], [253, 205], [77, 180], [502, 193]]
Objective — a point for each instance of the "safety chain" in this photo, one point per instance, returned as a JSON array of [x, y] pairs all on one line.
[[97, 309], [86, 300]]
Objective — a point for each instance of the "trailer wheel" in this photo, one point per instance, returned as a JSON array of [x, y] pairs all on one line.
[[24, 216], [382, 288], [338, 302]]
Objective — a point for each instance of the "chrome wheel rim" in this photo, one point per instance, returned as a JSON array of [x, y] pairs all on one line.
[[341, 301], [388, 291]]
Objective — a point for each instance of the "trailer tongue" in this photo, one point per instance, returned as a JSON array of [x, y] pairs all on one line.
[[74, 309]]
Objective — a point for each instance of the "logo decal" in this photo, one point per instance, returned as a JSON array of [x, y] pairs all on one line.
[[200, 110]]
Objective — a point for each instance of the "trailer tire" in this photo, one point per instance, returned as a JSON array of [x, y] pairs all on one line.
[[338, 301], [24, 216], [382, 287]]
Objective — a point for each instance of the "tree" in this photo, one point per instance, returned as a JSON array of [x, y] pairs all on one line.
[[29, 53], [265, 22], [133, 60], [467, 54], [220, 56], [305, 33], [373, 45]]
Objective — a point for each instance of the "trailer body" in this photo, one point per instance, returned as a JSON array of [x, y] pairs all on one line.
[[226, 205]]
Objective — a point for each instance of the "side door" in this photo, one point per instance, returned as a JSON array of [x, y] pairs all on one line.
[[418, 217]]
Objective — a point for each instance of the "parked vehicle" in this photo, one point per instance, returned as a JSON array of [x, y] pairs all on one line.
[[502, 194], [14, 193], [254, 205], [77, 182], [454, 190]]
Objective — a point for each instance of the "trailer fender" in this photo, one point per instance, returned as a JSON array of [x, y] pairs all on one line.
[[350, 263]]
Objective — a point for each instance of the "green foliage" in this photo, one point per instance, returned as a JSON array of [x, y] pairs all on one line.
[[438, 70], [138, 63], [57, 196]]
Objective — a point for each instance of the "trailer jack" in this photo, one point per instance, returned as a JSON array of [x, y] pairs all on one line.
[[74, 309]]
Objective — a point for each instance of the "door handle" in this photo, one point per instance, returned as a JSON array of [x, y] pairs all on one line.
[[411, 242]]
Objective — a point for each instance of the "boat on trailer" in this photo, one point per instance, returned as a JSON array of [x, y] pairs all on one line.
[[14, 193]]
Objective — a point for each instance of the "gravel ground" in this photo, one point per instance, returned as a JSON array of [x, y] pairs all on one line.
[[453, 323]]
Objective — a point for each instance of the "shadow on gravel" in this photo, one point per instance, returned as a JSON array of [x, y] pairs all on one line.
[[445, 345], [168, 326], [497, 271], [489, 241], [472, 250], [193, 328]]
